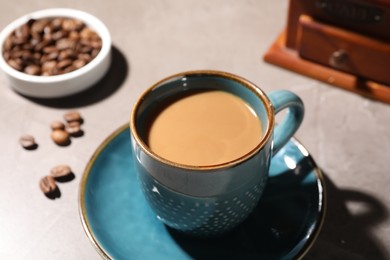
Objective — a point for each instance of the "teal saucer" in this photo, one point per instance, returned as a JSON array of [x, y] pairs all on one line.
[[120, 224]]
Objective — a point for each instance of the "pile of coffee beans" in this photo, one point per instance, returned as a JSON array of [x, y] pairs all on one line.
[[60, 173], [52, 46], [61, 132]]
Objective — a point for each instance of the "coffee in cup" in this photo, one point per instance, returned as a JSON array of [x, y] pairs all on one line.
[[203, 128]]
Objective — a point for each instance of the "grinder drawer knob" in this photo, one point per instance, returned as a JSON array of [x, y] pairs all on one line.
[[338, 58]]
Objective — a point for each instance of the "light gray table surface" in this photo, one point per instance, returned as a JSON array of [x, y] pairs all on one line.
[[347, 135]]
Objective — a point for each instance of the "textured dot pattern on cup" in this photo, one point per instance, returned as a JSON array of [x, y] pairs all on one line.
[[201, 216]]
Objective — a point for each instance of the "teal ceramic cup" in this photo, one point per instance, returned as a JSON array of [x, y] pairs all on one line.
[[210, 200]]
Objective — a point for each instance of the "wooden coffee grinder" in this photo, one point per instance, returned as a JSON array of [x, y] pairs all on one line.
[[345, 43]]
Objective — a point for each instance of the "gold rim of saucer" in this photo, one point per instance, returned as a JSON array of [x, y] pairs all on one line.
[[246, 83], [322, 191]]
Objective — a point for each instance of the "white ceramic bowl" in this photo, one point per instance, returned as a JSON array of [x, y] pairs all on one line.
[[64, 84]]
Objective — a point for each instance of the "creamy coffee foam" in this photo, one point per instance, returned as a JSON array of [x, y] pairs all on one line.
[[204, 128]]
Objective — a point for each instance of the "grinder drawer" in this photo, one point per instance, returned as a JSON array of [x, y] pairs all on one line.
[[341, 49]]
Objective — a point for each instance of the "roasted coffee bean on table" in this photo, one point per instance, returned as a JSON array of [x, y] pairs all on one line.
[[60, 171], [57, 125], [28, 142], [73, 116], [74, 129], [51, 46], [60, 137], [48, 184]]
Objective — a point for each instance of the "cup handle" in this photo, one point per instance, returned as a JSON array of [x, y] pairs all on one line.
[[284, 99]]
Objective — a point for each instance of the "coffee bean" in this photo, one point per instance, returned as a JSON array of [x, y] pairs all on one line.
[[49, 49], [27, 142], [94, 53], [50, 67], [56, 39], [7, 56], [87, 33], [69, 69], [28, 46], [72, 25], [18, 40], [27, 56], [74, 129], [47, 184], [58, 35], [60, 137], [14, 63], [52, 56], [96, 45], [16, 54], [23, 31], [56, 23], [63, 64], [85, 57], [42, 44], [38, 26], [48, 29], [8, 44], [60, 171], [37, 56], [57, 125], [74, 35], [65, 43], [67, 54], [33, 70], [73, 116], [79, 63], [85, 49]]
